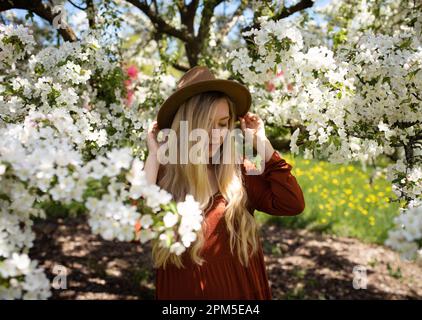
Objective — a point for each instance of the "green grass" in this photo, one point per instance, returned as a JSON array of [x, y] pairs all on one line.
[[340, 200]]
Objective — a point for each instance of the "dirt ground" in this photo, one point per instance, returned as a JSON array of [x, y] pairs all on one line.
[[301, 265]]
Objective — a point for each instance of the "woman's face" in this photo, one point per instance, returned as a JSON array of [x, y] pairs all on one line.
[[220, 122]]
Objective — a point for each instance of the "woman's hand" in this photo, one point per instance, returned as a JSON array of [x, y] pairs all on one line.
[[152, 164], [152, 141], [253, 127]]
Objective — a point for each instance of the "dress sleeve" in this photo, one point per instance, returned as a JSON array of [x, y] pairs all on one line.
[[275, 191]]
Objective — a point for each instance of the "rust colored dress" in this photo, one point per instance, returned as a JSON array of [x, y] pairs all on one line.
[[222, 276]]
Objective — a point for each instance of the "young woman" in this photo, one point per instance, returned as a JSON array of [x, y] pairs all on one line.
[[226, 260]]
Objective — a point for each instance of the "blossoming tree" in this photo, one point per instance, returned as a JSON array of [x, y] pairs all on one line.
[[69, 137], [73, 124], [356, 93]]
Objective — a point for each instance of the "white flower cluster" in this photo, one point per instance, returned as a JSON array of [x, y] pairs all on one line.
[[407, 181], [191, 220], [25, 279], [407, 236], [353, 101], [180, 223], [61, 140], [15, 43], [315, 97], [255, 71]]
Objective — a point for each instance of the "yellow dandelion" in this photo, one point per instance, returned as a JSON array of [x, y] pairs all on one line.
[[363, 211]]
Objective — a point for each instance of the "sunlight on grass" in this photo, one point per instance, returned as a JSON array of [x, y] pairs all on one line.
[[340, 200]]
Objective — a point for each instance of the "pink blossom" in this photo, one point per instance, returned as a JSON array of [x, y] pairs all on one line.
[[132, 71], [270, 86]]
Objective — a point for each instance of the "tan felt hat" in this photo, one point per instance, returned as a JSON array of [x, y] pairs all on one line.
[[200, 79]]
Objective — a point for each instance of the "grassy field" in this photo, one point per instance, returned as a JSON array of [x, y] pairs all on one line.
[[340, 200]]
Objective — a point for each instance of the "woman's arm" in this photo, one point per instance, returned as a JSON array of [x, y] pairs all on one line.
[[253, 128], [152, 165], [268, 148], [275, 190]]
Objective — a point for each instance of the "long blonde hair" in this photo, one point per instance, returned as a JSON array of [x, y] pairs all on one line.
[[181, 179]]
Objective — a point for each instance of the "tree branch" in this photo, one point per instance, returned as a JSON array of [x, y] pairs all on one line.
[[159, 23], [179, 67], [284, 13], [194, 44], [76, 6], [42, 10], [302, 5], [187, 14], [197, 46], [232, 21], [207, 13], [90, 12]]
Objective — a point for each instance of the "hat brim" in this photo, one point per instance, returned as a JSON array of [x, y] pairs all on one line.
[[235, 90]]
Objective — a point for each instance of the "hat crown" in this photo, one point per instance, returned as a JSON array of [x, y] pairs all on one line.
[[195, 81], [196, 74]]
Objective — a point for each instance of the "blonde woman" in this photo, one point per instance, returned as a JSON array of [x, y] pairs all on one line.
[[226, 260]]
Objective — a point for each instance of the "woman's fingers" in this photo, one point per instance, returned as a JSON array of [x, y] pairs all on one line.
[[250, 120], [251, 117], [153, 130], [151, 126]]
